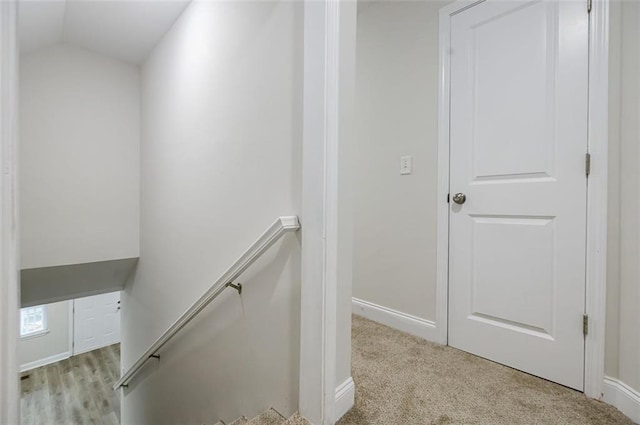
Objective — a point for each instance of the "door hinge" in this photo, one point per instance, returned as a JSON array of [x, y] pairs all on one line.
[[448, 195], [585, 324], [589, 5], [587, 164]]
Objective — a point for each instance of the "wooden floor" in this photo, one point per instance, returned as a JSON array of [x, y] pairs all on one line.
[[74, 391]]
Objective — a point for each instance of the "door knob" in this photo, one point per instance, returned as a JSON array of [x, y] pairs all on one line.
[[459, 198]]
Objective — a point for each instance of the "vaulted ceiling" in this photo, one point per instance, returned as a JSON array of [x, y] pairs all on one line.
[[124, 29]]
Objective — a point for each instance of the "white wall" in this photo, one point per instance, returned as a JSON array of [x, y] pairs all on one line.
[[53, 346], [79, 158], [623, 291], [221, 140], [395, 221], [396, 115]]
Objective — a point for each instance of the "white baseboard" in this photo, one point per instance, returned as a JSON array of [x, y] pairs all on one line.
[[345, 398], [43, 362], [623, 397], [404, 322]]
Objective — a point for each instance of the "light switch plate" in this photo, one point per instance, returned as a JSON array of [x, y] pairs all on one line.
[[405, 164]]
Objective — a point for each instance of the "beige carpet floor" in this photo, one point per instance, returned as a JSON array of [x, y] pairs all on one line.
[[405, 380]]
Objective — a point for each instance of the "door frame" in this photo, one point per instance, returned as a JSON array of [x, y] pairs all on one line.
[[327, 218], [597, 144], [9, 240]]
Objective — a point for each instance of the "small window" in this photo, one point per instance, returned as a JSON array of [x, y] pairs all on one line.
[[33, 321]]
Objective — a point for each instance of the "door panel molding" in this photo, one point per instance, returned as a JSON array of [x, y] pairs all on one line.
[[596, 190]]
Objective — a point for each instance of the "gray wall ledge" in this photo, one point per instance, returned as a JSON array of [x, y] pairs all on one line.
[[45, 285]]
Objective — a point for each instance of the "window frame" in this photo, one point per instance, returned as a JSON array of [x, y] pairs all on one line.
[[38, 333]]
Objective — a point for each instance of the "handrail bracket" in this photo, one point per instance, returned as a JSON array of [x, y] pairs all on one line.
[[237, 287]]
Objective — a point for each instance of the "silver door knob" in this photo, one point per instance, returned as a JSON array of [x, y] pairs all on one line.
[[459, 198]]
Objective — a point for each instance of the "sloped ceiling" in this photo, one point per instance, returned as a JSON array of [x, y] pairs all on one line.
[[124, 29]]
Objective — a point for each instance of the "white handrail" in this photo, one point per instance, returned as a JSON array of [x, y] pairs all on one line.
[[281, 226]]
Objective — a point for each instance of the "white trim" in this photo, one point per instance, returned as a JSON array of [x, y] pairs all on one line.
[[34, 335], [9, 217], [46, 361], [623, 397], [345, 398], [318, 300], [404, 322], [72, 335], [329, 73], [598, 142], [597, 189]]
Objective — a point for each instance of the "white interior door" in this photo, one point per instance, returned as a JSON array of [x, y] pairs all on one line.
[[518, 140], [96, 322]]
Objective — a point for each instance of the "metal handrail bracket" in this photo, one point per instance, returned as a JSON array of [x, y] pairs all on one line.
[[278, 229]]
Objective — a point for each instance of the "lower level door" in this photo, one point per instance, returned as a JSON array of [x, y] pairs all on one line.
[[96, 322]]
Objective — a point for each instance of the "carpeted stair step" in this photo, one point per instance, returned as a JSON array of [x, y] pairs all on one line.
[[297, 419], [269, 417]]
